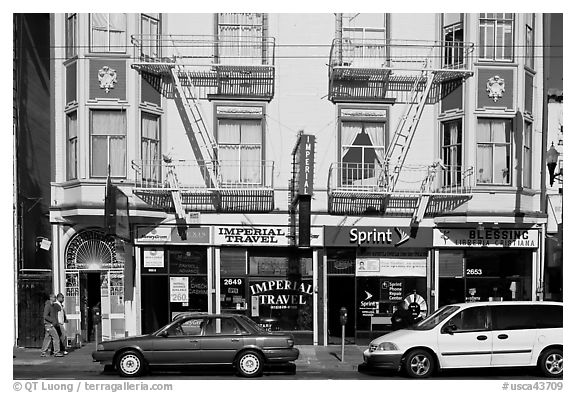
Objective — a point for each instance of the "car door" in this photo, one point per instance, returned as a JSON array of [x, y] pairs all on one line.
[[514, 328], [465, 340], [178, 343], [222, 339]]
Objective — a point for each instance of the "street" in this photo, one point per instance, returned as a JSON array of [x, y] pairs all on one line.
[[315, 363]]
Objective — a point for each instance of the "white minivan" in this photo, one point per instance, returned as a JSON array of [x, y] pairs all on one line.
[[482, 334]]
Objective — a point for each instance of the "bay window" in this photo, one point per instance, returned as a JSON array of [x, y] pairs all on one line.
[[72, 146], [108, 143], [527, 156], [150, 28], [451, 152], [71, 35], [493, 151], [108, 32], [496, 36]]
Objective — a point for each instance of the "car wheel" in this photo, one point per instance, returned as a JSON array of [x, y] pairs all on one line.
[[249, 364], [419, 364], [130, 364], [552, 363]]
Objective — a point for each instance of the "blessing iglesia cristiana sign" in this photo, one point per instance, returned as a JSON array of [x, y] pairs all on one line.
[[490, 237]]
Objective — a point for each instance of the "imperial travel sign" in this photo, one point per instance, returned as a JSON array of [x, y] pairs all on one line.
[[492, 237]]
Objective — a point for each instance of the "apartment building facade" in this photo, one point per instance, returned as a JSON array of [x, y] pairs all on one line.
[[426, 169]]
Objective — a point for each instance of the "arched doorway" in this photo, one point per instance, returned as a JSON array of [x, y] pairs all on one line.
[[94, 279]]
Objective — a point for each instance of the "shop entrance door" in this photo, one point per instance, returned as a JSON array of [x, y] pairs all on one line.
[[341, 293], [89, 298]]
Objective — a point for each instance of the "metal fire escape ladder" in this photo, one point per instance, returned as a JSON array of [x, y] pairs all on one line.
[[398, 148]]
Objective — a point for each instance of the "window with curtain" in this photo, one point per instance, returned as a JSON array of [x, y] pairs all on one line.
[[150, 29], [363, 148], [150, 145], [453, 45], [493, 151], [108, 32], [527, 156], [240, 150], [240, 38], [71, 35], [451, 150], [108, 143], [530, 42], [72, 146], [496, 36]]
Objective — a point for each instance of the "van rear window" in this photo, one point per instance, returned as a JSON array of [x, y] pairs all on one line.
[[515, 317]]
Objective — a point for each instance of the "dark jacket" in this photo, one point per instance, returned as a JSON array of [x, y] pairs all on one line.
[[401, 319], [50, 313]]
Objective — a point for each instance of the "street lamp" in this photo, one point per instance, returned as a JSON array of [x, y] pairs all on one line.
[[551, 162]]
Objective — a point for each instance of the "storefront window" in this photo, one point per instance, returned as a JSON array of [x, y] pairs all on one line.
[[174, 280], [272, 287], [485, 275]]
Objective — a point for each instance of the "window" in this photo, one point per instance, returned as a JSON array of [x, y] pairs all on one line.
[[150, 28], [72, 156], [470, 319], [494, 151], [364, 38], [453, 33], [108, 143], [71, 35], [240, 150], [451, 150], [527, 156], [240, 38], [548, 316], [363, 148], [496, 38], [108, 33], [186, 327], [513, 317], [150, 147], [530, 42]]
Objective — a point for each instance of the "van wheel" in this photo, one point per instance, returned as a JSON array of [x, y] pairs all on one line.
[[130, 364], [249, 364], [551, 363], [419, 364]]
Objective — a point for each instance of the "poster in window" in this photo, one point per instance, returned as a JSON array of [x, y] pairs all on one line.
[[233, 294], [282, 304], [179, 289]]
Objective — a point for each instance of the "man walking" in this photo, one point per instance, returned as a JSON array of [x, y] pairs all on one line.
[[60, 329], [50, 320]]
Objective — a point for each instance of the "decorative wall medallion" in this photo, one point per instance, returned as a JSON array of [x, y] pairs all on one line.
[[107, 77], [495, 87]]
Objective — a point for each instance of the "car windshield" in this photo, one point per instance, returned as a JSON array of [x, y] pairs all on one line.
[[436, 318], [251, 323]]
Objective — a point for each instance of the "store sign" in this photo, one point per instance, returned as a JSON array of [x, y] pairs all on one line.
[[179, 289], [169, 234], [261, 236], [153, 258], [391, 267], [306, 164], [512, 238], [377, 237], [281, 294]]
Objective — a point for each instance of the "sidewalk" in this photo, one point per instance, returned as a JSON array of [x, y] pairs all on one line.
[[311, 357]]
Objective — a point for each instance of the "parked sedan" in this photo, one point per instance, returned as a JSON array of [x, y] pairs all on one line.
[[200, 339]]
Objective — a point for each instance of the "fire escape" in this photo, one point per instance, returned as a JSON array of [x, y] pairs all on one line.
[[190, 69], [397, 72]]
